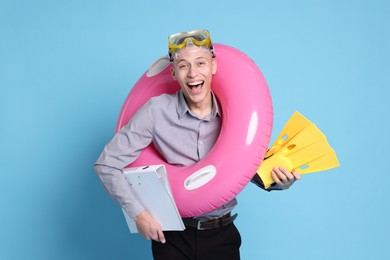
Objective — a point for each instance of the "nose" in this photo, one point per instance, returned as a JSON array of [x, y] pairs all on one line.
[[192, 71]]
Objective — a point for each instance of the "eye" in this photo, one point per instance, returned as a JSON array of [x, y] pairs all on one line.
[[183, 66]]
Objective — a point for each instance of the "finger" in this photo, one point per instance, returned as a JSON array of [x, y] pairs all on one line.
[[149, 234], [286, 173], [161, 236], [280, 175], [275, 177], [143, 234], [297, 175]]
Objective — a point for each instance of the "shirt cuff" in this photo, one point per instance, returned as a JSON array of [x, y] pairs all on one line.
[[259, 182]]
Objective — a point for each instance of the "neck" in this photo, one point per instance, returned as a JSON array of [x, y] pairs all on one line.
[[203, 108]]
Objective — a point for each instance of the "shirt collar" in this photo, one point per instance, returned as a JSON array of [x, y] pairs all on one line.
[[183, 108]]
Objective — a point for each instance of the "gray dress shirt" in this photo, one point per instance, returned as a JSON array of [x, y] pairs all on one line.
[[179, 135]]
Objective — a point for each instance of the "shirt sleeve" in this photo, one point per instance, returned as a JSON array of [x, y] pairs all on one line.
[[259, 182], [122, 150]]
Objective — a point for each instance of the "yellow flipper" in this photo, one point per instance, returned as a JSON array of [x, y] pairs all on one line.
[[301, 146]]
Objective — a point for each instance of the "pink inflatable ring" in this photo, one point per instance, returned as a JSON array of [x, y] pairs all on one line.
[[247, 117]]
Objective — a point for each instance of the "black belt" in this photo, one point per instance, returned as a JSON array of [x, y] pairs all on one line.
[[208, 224]]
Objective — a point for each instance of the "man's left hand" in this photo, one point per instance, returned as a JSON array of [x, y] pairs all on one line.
[[284, 178]]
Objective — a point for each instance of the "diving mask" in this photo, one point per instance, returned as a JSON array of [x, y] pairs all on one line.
[[178, 41]]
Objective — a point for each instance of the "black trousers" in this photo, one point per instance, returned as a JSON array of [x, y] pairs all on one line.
[[191, 244]]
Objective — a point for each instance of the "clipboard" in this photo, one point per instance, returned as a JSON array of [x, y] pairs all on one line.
[[151, 187]]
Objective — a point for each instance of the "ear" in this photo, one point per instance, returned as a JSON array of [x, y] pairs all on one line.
[[214, 66], [173, 73]]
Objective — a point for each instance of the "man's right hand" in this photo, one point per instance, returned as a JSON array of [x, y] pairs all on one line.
[[148, 227]]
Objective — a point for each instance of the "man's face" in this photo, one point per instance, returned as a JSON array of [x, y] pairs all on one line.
[[193, 69]]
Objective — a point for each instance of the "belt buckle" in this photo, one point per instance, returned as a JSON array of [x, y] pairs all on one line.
[[198, 226]]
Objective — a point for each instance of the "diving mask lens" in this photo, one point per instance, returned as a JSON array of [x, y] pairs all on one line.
[[179, 41], [198, 36]]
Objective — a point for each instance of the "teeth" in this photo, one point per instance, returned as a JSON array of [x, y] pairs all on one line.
[[195, 83]]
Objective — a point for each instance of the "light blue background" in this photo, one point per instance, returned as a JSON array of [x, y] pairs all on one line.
[[67, 66]]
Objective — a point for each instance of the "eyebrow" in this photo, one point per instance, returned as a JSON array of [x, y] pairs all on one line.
[[197, 58]]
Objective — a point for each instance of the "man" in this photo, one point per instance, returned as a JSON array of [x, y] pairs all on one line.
[[193, 115]]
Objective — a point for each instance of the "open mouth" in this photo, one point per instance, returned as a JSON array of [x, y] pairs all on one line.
[[195, 86]]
